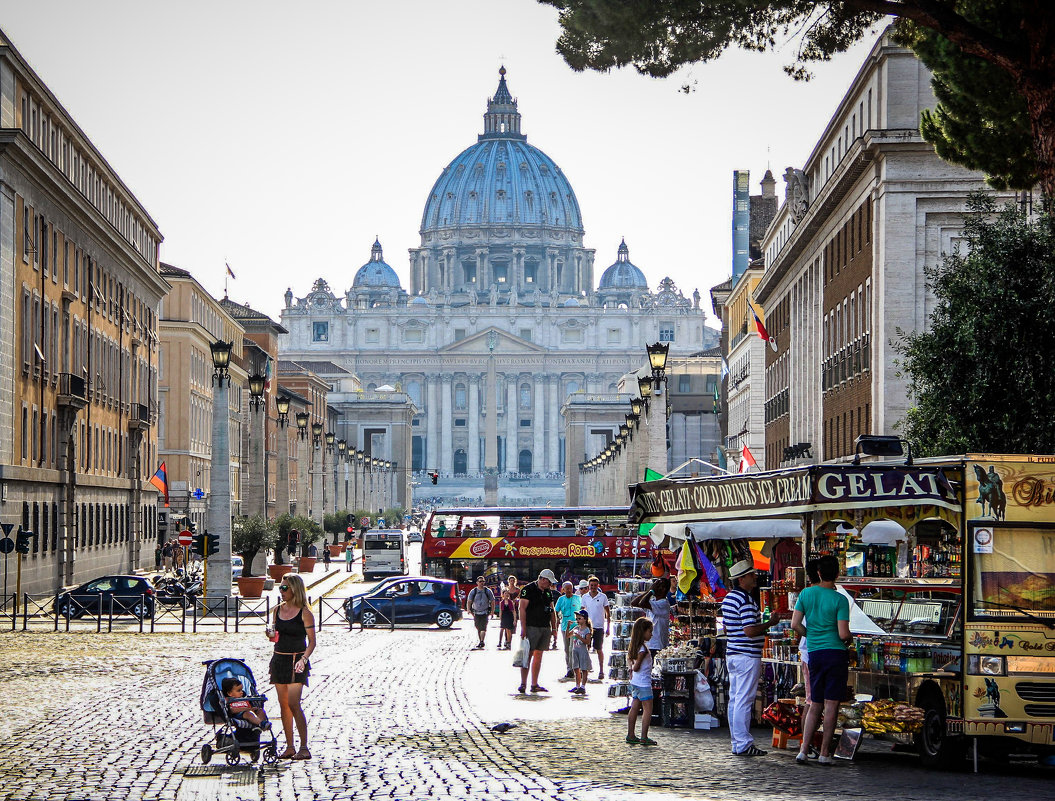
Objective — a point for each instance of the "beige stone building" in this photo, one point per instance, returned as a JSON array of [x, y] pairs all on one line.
[[79, 293], [191, 320]]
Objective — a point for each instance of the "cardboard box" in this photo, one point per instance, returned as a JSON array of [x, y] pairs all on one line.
[[706, 721]]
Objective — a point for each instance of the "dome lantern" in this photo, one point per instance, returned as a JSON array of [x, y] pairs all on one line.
[[502, 120]]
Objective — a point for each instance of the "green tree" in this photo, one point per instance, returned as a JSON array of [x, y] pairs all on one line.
[[981, 376], [1015, 37], [250, 536]]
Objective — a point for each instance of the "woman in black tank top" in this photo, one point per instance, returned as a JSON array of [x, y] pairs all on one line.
[[295, 628]]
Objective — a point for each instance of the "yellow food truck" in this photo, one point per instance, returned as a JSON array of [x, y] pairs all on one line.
[[961, 593]]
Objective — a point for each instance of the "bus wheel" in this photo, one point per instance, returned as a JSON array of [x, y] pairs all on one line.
[[936, 747]]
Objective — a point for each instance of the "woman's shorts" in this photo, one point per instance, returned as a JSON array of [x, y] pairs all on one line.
[[640, 693], [281, 670]]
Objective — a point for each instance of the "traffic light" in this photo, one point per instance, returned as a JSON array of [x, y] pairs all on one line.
[[435, 477], [205, 544], [349, 523], [22, 539], [198, 545], [192, 527]]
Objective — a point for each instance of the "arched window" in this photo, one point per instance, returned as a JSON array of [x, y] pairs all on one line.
[[524, 462], [525, 396], [573, 387], [613, 389], [460, 396]]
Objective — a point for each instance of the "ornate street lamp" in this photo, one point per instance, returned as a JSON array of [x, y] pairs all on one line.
[[342, 447], [657, 358], [221, 361], [635, 407], [316, 434], [330, 439], [644, 387], [359, 457], [302, 424], [282, 404], [256, 391], [624, 431]]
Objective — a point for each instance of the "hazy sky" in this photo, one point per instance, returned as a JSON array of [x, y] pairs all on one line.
[[282, 137]]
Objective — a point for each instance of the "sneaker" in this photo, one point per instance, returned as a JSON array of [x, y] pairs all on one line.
[[813, 753], [632, 739], [521, 689], [648, 741], [752, 751], [801, 759], [600, 676], [574, 690], [570, 674], [825, 760]]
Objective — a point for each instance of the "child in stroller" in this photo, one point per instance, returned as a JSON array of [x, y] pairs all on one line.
[[229, 700]]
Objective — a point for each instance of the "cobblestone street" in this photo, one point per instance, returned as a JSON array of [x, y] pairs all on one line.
[[402, 714]]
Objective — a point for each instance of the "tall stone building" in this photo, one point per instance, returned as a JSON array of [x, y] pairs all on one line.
[[502, 271], [79, 293]]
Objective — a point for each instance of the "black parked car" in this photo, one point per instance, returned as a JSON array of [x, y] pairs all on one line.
[[417, 599], [132, 595]]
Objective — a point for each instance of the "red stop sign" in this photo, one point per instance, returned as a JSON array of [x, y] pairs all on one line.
[[185, 538]]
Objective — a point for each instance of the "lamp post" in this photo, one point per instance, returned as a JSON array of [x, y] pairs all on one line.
[[342, 458], [218, 526], [657, 420], [331, 447], [316, 472], [256, 490]]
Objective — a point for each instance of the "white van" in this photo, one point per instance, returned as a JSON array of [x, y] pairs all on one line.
[[384, 553]]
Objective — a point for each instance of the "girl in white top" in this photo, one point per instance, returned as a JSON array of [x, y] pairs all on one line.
[[639, 659]]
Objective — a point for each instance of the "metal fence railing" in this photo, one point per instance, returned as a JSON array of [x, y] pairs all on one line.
[[147, 614]]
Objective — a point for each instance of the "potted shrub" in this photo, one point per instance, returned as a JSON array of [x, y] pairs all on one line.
[[248, 537], [310, 533]]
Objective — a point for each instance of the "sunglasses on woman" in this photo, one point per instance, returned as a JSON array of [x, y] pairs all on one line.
[[283, 587]]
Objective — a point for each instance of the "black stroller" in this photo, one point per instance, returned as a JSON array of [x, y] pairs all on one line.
[[234, 734]]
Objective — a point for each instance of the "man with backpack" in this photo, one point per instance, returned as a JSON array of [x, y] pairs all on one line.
[[481, 603]]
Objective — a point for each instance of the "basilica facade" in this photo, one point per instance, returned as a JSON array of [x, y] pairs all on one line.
[[501, 284]]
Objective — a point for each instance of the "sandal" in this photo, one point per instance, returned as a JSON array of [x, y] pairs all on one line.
[[303, 753], [648, 741], [289, 753], [520, 689]]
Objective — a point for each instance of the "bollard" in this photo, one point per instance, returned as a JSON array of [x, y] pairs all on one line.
[[99, 616], [226, 611], [183, 615], [142, 610], [56, 610], [392, 617], [25, 612], [237, 598]]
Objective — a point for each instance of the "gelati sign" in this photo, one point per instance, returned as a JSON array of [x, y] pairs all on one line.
[[788, 492]]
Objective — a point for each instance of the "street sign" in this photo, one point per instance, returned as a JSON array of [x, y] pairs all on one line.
[[185, 538], [7, 545], [7, 528]]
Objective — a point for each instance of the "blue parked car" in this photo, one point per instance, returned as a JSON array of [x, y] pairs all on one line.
[[414, 599]]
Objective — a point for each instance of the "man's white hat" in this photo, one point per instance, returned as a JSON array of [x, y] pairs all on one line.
[[741, 569]]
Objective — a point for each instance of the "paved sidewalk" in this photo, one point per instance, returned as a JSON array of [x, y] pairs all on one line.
[[403, 715]]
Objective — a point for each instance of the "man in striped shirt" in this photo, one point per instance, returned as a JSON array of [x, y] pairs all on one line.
[[744, 631]]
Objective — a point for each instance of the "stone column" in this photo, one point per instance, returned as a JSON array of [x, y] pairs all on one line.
[[473, 451], [282, 479], [512, 423], [303, 462], [491, 436], [219, 513], [318, 479], [446, 424], [553, 464], [432, 432], [256, 491], [538, 426]]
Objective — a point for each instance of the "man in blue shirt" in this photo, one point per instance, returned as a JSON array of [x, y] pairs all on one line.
[[744, 630]]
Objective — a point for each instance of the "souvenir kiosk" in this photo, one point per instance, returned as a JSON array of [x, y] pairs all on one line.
[[951, 563]]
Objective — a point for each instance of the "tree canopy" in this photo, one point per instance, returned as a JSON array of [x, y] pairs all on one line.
[[981, 376], [1013, 39]]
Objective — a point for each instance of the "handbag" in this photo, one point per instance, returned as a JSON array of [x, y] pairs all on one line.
[[522, 659]]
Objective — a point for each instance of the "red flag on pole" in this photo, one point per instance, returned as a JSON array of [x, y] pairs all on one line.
[[160, 479], [747, 461], [761, 329]]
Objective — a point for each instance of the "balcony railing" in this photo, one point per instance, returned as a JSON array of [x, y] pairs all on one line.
[[73, 390]]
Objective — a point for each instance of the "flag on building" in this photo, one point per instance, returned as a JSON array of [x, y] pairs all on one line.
[[761, 329], [230, 272], [747, 461], [160, 479], [267, 374], [717, 399], [725, 367]]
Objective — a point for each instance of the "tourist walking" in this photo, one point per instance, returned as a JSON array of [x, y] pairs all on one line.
[[567, 606], [538, 622], [744, 631], [639, 660], [294, 627], [349, 556], [581, 636], [596, 604], [828, 612], [507, 610], [480, 602]]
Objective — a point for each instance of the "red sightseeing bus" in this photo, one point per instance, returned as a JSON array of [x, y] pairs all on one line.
[[573, 542]]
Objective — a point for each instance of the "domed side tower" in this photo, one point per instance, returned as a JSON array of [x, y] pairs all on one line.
[[502, 220], [376, 283], [622, 280]]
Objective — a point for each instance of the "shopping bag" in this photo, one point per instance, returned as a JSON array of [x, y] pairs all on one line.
[[702, 696], [782, 718], [523, 654]]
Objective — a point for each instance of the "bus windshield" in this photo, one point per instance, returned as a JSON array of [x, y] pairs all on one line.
[[1013, 572]]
